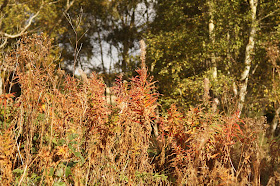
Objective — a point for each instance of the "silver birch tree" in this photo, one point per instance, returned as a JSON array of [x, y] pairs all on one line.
[[248, 55]]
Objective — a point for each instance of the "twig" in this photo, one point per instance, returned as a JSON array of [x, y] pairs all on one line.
[[22, 32], [77, 48], [25, 28], [270, 14]]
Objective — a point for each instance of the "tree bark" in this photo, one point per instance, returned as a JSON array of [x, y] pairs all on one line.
[[275, 121], [1, 85], [100, 45], [248, 56], [211, 27], [213, 68]]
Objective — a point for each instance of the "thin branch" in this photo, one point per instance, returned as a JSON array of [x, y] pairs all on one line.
[[67, 16], [23, 31], [25, 28], [268, 15], [77, 48], [4, 42], [68, 6]]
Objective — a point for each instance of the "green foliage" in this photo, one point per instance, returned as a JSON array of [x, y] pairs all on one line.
[[180, 51]]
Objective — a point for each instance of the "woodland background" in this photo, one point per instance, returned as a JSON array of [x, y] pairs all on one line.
[[81, 106]]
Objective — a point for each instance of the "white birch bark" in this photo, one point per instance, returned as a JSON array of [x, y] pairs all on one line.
[[1, 85], [2, 72], [275, 121], [211, 27], [248, 56]]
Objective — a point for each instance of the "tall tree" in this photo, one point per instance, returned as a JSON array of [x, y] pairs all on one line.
[[248, 54], [188, 38], [211, 26], [126, 24]]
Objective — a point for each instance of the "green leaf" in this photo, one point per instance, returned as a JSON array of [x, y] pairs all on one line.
[[51, 171], [161, 176], [33, 175], [19, 171], [79, 155], [60, 172], [68, 171], [73, 136], [71, 148], [54, 141], [61, 142], [60, 183]]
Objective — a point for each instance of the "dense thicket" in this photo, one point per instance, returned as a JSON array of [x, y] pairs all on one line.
[[190, 110], [62, 131]]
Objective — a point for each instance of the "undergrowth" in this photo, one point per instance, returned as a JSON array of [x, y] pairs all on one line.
[[62, 131]]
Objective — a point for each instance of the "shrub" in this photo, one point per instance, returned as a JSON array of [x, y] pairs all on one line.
[[62, 131]]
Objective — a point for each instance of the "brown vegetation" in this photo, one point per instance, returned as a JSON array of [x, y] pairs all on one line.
[[62, 131]]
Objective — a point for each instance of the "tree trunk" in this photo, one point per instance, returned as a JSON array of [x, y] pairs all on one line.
[[275, 121], [248, 56], [211, 27], [212, 39], [125, 59], [2, 72], [1, 85], [100, 46]]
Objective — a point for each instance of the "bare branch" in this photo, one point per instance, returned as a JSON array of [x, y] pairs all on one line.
[[67, 16], [25, 28], [270, 14], [68, 6], [77, 48], [4, 42], [23, 31]]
